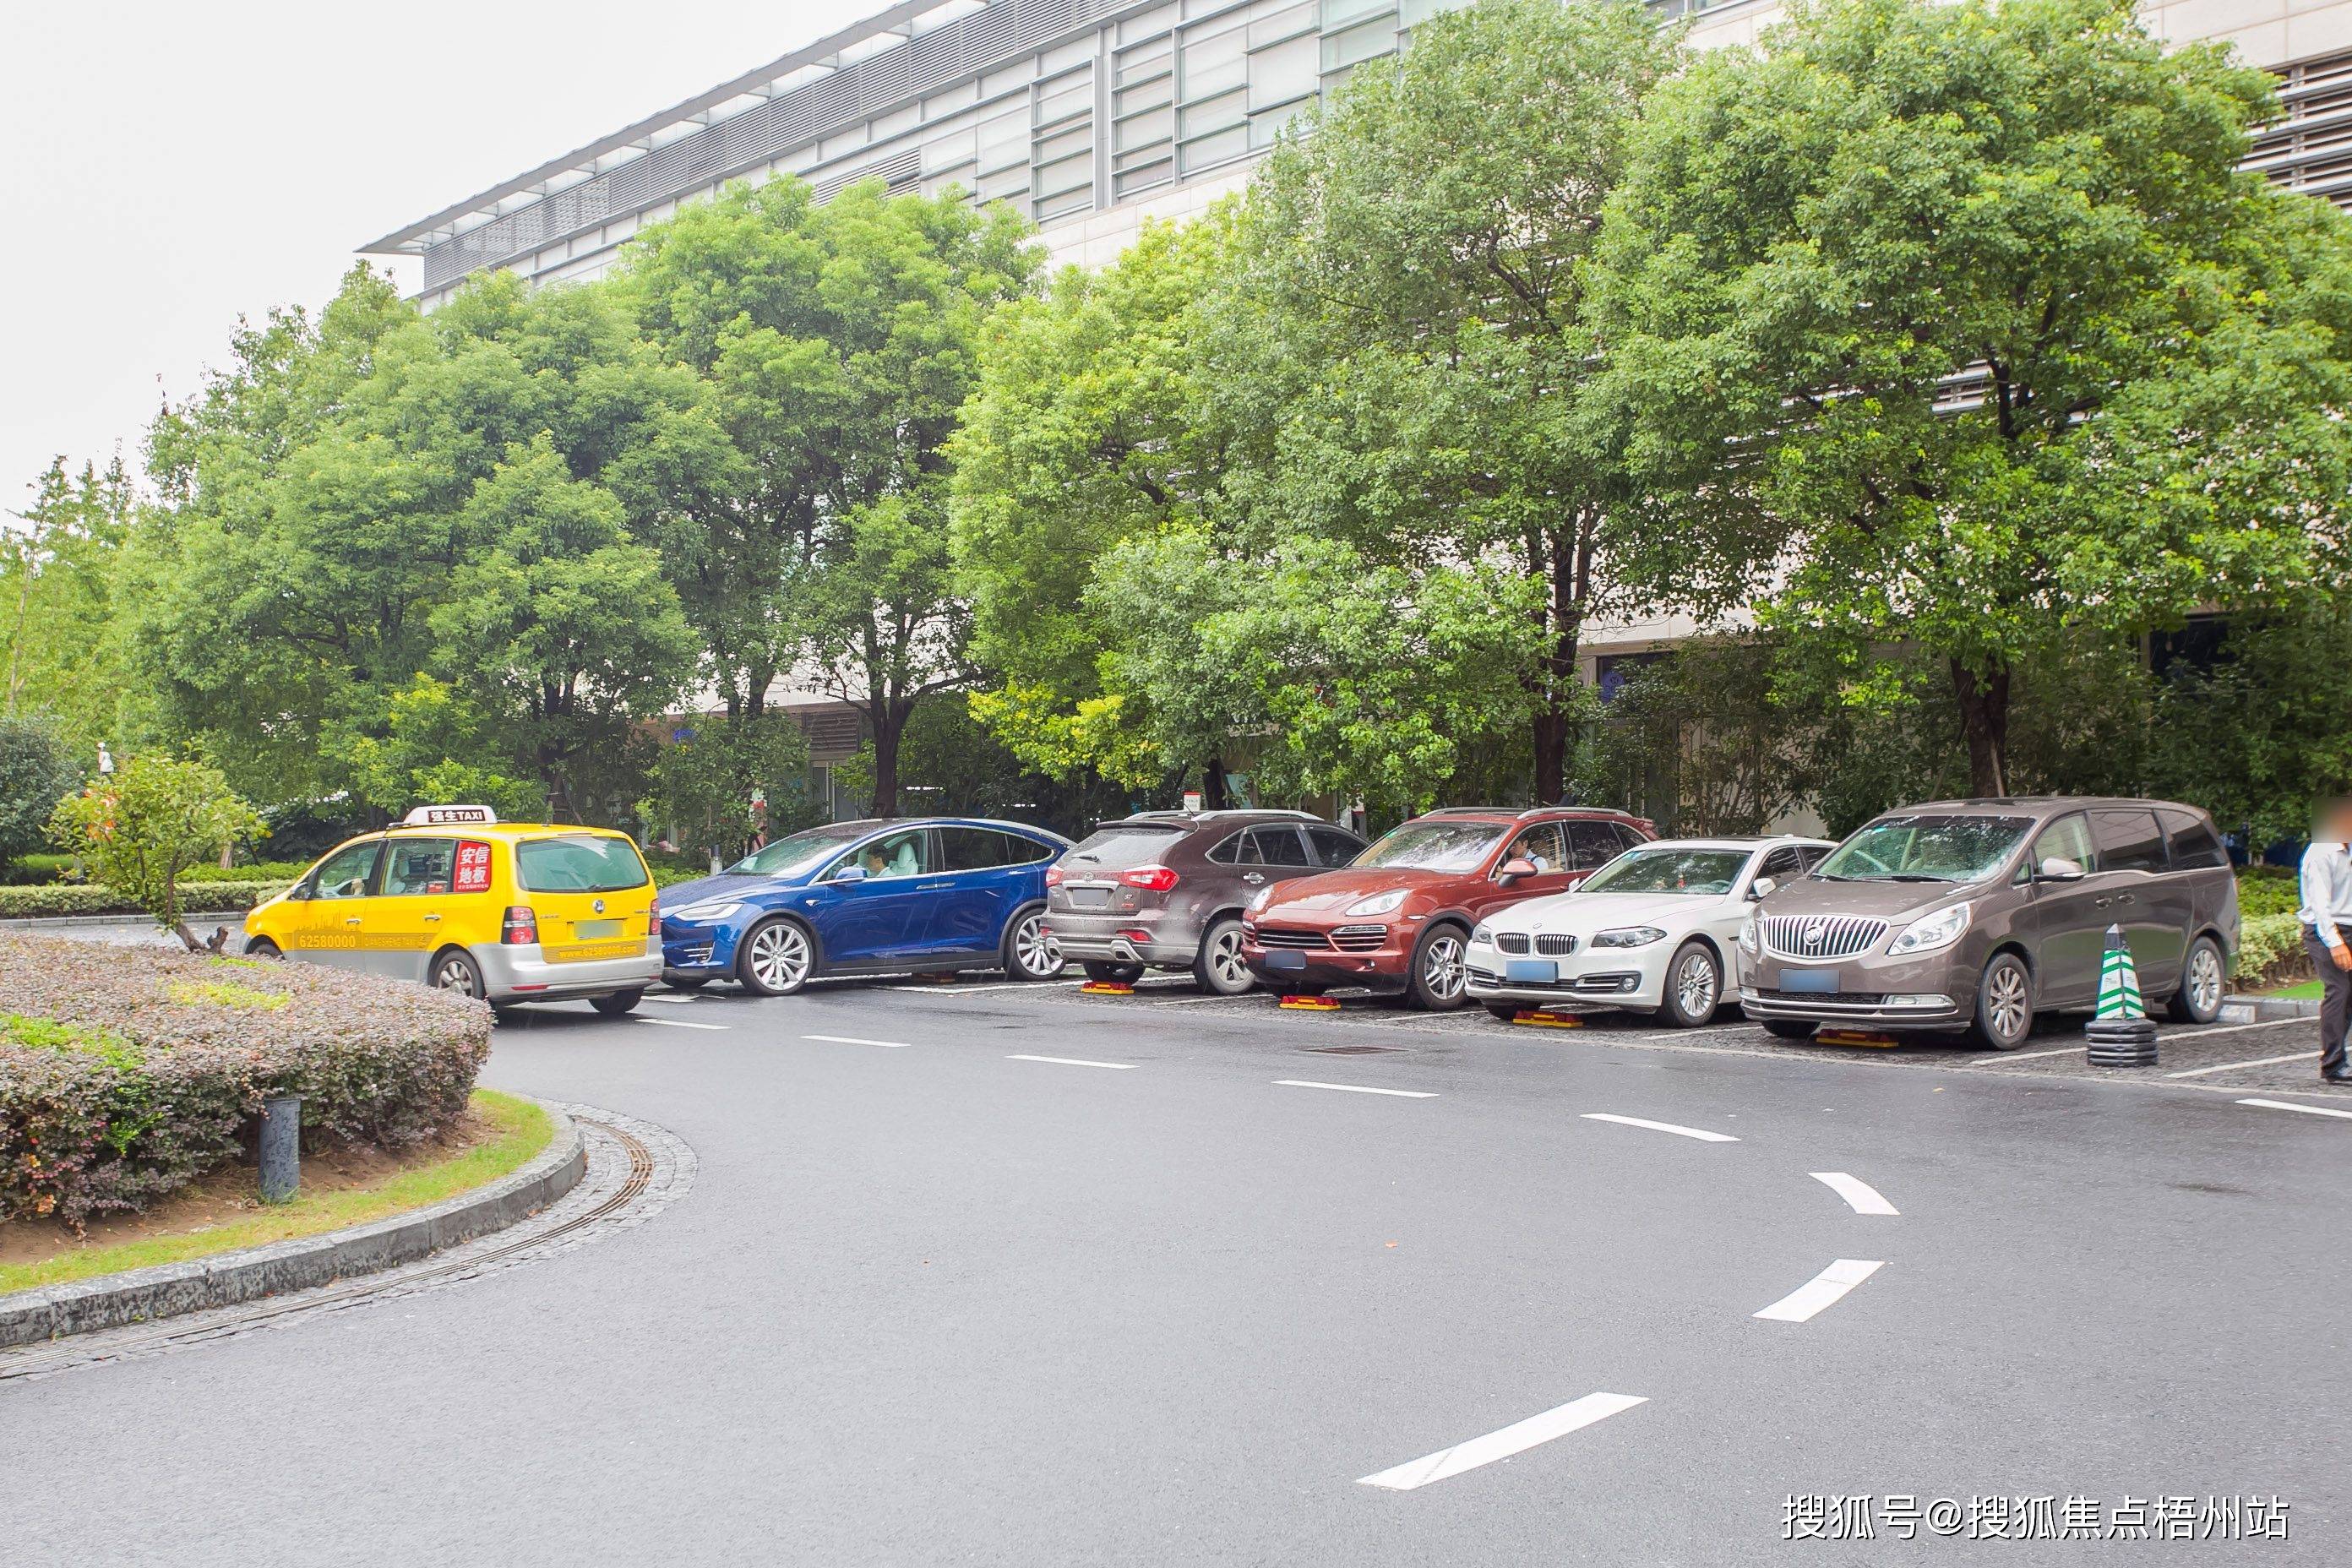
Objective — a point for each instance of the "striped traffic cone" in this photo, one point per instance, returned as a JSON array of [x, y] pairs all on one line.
[[2121, 1034]]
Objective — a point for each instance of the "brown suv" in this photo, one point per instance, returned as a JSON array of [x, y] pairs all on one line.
[[1165, 889], [1978, 913]]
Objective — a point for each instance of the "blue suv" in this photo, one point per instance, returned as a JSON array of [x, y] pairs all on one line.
[[930, 895]]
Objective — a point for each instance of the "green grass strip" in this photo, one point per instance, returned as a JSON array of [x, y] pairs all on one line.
[[523, 1129]]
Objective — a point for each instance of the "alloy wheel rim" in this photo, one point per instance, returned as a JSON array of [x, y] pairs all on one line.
[[1037, 952], [780, 956], [2204, 979], [453, 975], [1442, 970], [1695, 985], [2008, 997], [1225, 958]]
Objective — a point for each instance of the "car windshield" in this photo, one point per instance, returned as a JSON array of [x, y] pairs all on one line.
[[1669, 872], [796, 853], [1117, 848], [1434, 847], [583, 864], [1924, 848]]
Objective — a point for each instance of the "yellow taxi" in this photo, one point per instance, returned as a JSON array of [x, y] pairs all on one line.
[[507, 911]]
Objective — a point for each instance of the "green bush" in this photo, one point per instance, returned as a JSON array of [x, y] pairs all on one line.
[[36, 773], [2267, 890], [126, 1074], [53, 899], [2270, 950]]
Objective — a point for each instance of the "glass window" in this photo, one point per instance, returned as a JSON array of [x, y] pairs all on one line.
[[1341, 51], [1205, 119], [1145, 130], [1281, 846], [2128, 841], [2068, 839], [974, 850], [1811, 854], [796, 853], [2194, 842], [1435, 847], [1781, 864], [1270, 25], [1228, 851], [420, 866], [1214, 64], [1593, 843], [1221, 148], [1004, 140], [1663, 871], [1283, 72], [1334, 847], [579, 862], [1918, 847], [1071, 96], [1122, 845], [346, 873], [1543, 845]]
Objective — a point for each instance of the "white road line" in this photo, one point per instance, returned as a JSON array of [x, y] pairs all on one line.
[[2034, 1056], [1516, 1438], [854, 1040], [1701, 1133], [1860, 1196], [2290, 1105], [1822, 1290], [2233, 1066], [935, 989], [682, 1023], [1353, 1089], [673, 997], [1072, 1062], [2236, 1028]]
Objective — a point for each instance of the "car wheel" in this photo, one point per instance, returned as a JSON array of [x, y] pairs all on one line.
[[2204, 980], [1111, 974], [1506, 1011], [1437, 969], [777, 958], [1789, 1028], [618, 1004], [1218, 968], [262, 947], [1694, 985], [1030, 951], [2004, 1003], [455, 970]]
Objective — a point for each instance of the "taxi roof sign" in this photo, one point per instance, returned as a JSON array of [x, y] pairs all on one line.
[[442, 816]]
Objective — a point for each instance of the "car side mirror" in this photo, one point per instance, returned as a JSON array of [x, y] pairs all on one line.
[[1761, 888], [2057, 869], [1512, 870], [849, 874]]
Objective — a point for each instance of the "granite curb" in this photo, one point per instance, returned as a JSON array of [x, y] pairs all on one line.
[[2265, 1009], [140, 1294], [72, 923]]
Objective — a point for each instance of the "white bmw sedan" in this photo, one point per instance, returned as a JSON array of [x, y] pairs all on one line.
[[1651, 931]]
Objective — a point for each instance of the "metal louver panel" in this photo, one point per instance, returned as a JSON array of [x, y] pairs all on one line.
[[1512, 941], [1555, 945]]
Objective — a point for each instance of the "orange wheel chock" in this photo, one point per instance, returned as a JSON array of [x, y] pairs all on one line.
[[1105, 988], [1856, 1038], [1309, 1003], [1543, 1018]]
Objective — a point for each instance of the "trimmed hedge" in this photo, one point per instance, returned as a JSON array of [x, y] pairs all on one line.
[[2269, 951], [52, 899], [127, 1073]]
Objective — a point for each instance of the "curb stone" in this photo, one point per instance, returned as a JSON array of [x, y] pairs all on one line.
[[2265, 1009], [169, 1289], [71, 923]]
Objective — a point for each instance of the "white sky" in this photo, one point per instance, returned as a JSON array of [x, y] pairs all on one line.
[[171, 166]]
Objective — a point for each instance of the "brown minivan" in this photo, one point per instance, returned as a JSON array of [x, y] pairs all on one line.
[[1977, 914]]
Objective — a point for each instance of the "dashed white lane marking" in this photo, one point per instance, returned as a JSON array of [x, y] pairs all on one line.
[[2235, 1028], [1516, 1438], [1859, 1195], [854, 1040], [2233, 1066], [2290, 1105], [1353, 1089], [1071, 1062], [682, 1023], [1822, 1290], [1701, 1133], [2033, 1055]]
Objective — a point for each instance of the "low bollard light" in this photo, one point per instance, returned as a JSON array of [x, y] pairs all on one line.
[[281, 1147], [2121, 1035]]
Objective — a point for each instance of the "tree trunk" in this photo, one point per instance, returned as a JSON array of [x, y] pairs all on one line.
[[1212, 784], [1551, 727], [1569, 575], [1984, 721], [890, 724]]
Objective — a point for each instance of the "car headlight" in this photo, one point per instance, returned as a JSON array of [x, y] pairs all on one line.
[[1747, 935], [1258, 899], [1929, 932], [1629, 936], [702, 914], [1379, 903], [1483, 937]]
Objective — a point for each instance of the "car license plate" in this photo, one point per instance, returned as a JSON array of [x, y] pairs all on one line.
[[1810, 982], [1531, 971], [595, 931], [1282, 958], [1089, 897]]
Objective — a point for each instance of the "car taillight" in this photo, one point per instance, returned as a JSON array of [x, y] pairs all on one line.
[[1158, 878], [652, 918], [521, 927], [1053, 876]]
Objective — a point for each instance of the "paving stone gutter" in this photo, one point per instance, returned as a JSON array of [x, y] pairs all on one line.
[[228, 1277]]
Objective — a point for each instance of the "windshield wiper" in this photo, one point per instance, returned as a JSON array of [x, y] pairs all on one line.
[[1916, 877]]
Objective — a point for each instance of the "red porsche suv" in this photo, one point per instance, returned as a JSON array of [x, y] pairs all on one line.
[[1398, 918]]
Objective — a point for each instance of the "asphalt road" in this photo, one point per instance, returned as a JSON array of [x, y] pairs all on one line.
[[1179, 1295]]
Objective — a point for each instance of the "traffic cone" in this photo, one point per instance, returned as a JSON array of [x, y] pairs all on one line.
[[2121, 1034]]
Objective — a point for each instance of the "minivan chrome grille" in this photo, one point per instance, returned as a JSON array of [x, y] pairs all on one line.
[[1821, 936]]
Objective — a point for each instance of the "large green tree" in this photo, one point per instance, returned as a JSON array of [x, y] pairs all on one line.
[[800, 501], [57, 570], [1961, 326]]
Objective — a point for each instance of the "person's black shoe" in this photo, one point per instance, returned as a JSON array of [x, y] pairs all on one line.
[[2335, 1077]]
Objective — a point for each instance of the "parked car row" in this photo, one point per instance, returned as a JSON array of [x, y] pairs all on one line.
[[1971, 915]]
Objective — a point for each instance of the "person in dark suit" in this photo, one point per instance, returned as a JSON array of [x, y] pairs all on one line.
[[2325, 886]]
